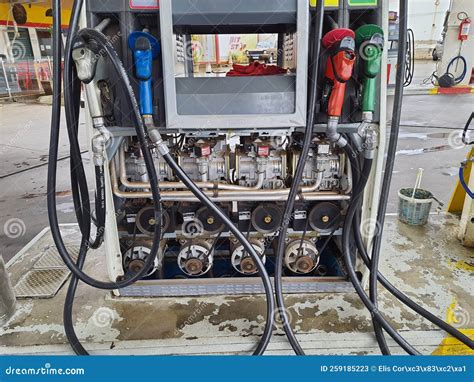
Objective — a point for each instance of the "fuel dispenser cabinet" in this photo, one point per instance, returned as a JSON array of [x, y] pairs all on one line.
[[239, 138]]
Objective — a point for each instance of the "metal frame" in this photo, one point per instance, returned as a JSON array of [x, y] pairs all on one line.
[[234, 121]]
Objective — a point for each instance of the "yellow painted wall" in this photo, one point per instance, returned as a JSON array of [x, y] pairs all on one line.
[[36, 15]]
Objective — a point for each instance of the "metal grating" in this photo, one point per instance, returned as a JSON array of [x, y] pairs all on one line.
[[51, 259], [171, 289], [41, 283]]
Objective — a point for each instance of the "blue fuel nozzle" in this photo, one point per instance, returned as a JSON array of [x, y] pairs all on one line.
[[145, 49]]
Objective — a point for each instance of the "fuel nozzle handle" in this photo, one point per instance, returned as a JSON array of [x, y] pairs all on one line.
[[145, 49], [370, 42], [339, 67]]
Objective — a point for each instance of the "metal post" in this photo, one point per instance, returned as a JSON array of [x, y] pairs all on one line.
[[9, 90], [7, 296]]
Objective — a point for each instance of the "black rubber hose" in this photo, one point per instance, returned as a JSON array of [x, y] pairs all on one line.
[[52, 173], [99, 207], [71, 292], [465, 131], [297, 181], [243, 240], [98, 37], [346, 245], [460, 78], [72, 97], [404, 298], [355, 164], [356, 173], [390, 162]]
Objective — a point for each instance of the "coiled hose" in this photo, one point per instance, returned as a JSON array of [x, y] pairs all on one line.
[[93, 35]]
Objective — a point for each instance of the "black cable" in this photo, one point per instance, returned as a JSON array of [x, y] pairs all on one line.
[[356, 173], [100, 207], [241, 238], [327, 241], [464, 185], [390, 162], [72, 97], [102, 40], [296, 182], [465, 131], [460, 78], [346, 245], [52, 213], [91, 34], [404, 298], [410, 58]]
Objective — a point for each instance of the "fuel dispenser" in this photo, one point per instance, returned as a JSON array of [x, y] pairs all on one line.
[[213, 184]]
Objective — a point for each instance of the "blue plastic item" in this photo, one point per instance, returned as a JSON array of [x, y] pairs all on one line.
[[145, 49]]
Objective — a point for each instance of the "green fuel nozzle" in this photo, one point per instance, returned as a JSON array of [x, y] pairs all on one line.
[[370, 42]]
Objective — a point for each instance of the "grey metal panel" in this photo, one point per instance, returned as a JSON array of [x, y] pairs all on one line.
[[231, 12], [247, 119], [207, 287], [231, 95]]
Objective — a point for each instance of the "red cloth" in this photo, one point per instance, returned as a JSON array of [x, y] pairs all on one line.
[[255, 69]]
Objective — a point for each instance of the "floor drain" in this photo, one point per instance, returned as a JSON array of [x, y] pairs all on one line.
[[51, 259], [41, 283]]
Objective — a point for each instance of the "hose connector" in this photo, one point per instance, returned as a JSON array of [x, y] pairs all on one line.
[[368, 131], [148, 121], [371, 138], [332, 134], [157, 140], [100, 141], [98, 150]]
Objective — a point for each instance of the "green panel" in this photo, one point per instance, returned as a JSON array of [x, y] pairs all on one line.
[[363, 2]]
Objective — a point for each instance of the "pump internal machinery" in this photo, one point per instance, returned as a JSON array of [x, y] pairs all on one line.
[[217, 169]]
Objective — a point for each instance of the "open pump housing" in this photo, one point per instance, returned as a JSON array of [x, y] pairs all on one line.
[[239, 138]]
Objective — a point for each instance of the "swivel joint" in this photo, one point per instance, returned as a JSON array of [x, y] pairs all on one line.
[[100, 142], [333, 135], [157, 140]]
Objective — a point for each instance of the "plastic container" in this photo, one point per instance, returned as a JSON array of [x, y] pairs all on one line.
[[7, 296], [414, 210]]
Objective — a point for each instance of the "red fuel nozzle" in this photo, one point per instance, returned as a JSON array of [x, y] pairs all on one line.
[[341, 45]]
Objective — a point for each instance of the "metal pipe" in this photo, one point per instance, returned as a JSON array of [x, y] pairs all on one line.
[[171, 185], [229, 196]]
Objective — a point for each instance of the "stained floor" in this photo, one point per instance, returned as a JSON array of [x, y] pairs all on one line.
[[427, 263]]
